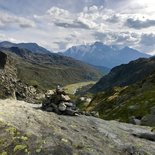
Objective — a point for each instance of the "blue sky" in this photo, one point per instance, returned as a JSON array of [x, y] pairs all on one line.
[[60, 24]]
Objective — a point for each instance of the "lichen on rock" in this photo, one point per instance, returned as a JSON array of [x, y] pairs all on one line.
[[25, 129]]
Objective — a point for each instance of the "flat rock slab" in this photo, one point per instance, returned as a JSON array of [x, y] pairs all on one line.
[[73, 135]]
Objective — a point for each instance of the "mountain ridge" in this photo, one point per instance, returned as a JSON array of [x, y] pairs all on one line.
[[99, 54], [126, 74], [132, 104], [50, 69], [127, 93], [33, 47]]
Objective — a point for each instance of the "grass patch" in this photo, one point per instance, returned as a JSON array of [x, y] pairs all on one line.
[[71, 89], [13, 141], [19, 148], [121, 103]]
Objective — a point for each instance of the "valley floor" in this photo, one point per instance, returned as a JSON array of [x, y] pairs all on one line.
[[72, 88]]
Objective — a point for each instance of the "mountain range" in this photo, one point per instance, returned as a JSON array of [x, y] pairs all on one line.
[[99, 54], [33, 47], [127, 93], [128, 90], [48, 70], [126, 74]]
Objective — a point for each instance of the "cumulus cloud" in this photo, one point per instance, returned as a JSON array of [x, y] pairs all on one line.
[[25, 23], [73, 24], [7, 20], [96, 18], [90, 18], [58, 12], [113, 19], [61, 45], [147, 43], [4, 37], [124, 38], [59, 25], [62, 18], [148, 39], [139, 24], [30, 7]]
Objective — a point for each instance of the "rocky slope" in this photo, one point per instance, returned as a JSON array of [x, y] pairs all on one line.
[[25, 129], [127, 74], [48, 70], [129, 103], [99, 54], [11, 86]]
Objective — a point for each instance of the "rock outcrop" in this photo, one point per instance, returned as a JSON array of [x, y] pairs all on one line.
[[3, 58], [25, 129], [11, 86], [48, 70], [149, 119]]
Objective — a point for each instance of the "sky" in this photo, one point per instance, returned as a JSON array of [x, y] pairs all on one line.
[[60, 24]]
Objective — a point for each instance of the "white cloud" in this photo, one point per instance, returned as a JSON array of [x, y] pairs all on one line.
[[139, 24], [4, 37], [7, 20], [60, 25], [122, 38], [147, 43], [148, 39], [73, 24], [58, 12], [94, 18]]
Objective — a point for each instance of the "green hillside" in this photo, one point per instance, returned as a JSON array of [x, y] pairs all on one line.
[[126, 93], [48, 70], [120, 103], [125, 74]]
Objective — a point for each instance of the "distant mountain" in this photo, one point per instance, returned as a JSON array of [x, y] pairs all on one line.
[[126, 74], [48, 70], [33, 47], [99, 54], [102, 69]]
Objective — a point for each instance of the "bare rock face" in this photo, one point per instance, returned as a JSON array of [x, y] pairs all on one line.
[[3, 58], [25, 129], [10, 85], [149, 119]]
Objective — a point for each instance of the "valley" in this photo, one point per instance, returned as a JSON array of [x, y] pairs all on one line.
[[110, 104], [32, 68], [77, 77], [121, 94]]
